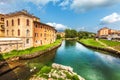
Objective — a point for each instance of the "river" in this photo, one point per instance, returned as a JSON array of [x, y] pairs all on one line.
[[88, 63]]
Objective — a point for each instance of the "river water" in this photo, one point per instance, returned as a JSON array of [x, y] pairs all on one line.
[[88, 63]]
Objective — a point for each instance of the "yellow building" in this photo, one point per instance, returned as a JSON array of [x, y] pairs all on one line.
[[20, 25], [29, 29], [2, 29]]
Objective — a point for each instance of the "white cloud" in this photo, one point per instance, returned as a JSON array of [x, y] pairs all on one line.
[[58, 26], [84, 5], [15, 5], [64, 4], [114, 17]]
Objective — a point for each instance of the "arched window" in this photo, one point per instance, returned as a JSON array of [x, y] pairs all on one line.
[[18, 21], [27, 32], [12, 32], [27, 41], [18, 32], [12, 22], [27, 22], [7, 22]]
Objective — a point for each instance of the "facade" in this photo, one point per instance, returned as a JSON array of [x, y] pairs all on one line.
[[27, 27], [108, 33], [103, 32], [62, 34], [2, 29], [43, 34], [20, 25]]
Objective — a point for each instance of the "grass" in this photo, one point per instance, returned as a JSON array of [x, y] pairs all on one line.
[[113, 44], [31, 50], [91, 42]]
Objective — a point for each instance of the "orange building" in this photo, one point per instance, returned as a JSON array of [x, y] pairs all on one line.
[[43, 34], [105, 32], [2, 28], [28, 27]]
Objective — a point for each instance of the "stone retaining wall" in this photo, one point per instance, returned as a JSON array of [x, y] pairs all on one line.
[[6, 46], [34, 55]]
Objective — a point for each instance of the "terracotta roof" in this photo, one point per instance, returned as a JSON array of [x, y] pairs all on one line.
[[45, 25], [23, 12]]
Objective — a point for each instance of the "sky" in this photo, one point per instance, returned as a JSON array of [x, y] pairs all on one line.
[[87, 15]]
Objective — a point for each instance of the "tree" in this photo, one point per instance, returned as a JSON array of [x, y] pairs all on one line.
[[85, 34], [58, 36], [70, 33]]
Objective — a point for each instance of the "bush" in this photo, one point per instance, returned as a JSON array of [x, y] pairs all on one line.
[[75, 77], [58, 37], [45, 69]]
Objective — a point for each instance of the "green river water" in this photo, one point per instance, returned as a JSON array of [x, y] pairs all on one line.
[[88, 63]]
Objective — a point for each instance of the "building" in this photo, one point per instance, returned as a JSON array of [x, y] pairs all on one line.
[[20, 25], [108, 33], [62, 34], [2, 29], [43, 34], [28, 28]]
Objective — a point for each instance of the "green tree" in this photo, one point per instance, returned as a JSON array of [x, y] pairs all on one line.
[[70, 33], [58, 36]]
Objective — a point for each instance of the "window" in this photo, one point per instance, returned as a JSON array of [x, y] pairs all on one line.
[[12, 22], [36, 25], [27, 22], [2, 19], [7, 32], [41, 42], [45, 38], [7, 22], [41, 34], [18, 32], [27, 32], [2, 26], [41, 27], [18, 21], [27, 41], [12, 32], [45, 35], [36, 34]]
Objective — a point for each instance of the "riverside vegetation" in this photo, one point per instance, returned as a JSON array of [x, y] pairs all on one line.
[[32, 50], [88, 39]]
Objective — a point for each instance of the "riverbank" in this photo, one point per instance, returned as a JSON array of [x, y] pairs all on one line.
[[56, 72], [70, 38], [30, 52], [12, 58], [91, 43]]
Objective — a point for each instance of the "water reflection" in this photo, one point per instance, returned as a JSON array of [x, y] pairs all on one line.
[[90, 64], [28, 67], [69, 43], [7, 68]]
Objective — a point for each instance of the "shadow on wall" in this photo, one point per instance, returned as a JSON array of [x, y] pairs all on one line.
[[6, 72]]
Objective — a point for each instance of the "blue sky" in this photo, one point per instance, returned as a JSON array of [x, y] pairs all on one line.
[[88, 15]]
